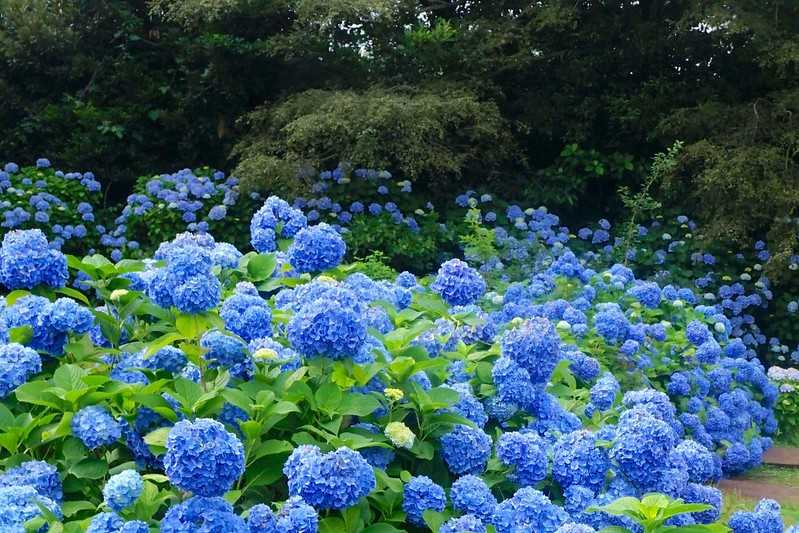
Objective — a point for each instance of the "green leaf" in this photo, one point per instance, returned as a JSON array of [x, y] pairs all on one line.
[[6, 417], [261, 266], [157, 438], [273, 447], [72, 508], [696, 528], [434, 519], [20, 335], [382, 527], [328, 398], [161, 342], [70, 377], [620, 506], [358, 404], [264, 471], [75, 295], [332, 525], [38, 393], [441, 397], [283, 408], [191, 326], [13, 296], [89, 469]]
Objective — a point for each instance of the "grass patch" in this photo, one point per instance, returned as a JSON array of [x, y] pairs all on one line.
[[778, 475], [734, 502]]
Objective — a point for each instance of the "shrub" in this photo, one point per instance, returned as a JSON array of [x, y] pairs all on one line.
[[63, 205], [787, 407], [188, 200], [349, 399]]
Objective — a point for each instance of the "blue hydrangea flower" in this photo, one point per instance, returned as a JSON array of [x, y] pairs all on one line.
[[18, 504], [465, 524], [276, 218], [40, 475], [703, 465], [528, 510], [134, 526], [603, 393], [187, 281], [471, 495], [535, 346], [335, 480], [458, 283], [105, 523], [228, 352], [197, 294], [296, 516], [66, 315], [514, 386], [571, 527], [168, 358], [95, 427], [611, 323], [468, 406], [419, 495], [232, 415], [696, 493], [526, 453], [578, 460], [262, 519], [17, 364], [708, 352], [122, 489], [327, 327], [248, 316], [466, 450], [316, 248], [697, 332], [203, 515], [26, 260], [376, 456], [203, 457], [647, 293], [643, 447]]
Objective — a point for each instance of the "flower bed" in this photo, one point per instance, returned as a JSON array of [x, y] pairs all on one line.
[[213, 389]]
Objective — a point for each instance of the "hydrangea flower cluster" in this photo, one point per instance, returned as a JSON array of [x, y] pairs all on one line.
[[316, 248], [328, 326], [50, 322], [60, 204], [122, 489], [20, 503], [276, 218], [199, 200], [523, 401], [458, 283], [27, 261], [294, 516], [334, 480], [187, 281], [203, 457], [17, 364], [95, 427]]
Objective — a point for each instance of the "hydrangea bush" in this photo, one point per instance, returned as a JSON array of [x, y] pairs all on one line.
[[203, 200], [216, 388], [62, 204]]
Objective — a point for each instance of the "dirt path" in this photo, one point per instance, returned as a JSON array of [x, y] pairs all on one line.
[[755, 489], [782, 457]]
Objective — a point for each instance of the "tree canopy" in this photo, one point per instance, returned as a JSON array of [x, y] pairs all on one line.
[[455, 92]]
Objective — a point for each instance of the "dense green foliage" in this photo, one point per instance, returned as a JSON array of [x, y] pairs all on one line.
[[559, 102]]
